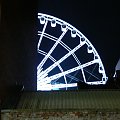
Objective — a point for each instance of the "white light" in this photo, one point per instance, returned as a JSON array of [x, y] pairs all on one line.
[[44, 87], [49, 87], [95, 57], [101, 69], [82, 39], [53, 23], [56, 76], [73, 33], [42, 20], [89, 49], [63, 27], [96, 83], [44, 78], [103, 79]]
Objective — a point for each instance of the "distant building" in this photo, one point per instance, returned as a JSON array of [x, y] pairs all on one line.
[[117, 70]]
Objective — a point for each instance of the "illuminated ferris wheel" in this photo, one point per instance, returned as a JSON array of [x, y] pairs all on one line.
[[65, 56]]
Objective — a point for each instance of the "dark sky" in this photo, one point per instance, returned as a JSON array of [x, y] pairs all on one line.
[[97, 20]]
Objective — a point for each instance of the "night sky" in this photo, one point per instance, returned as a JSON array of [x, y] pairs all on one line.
[[99, 21]]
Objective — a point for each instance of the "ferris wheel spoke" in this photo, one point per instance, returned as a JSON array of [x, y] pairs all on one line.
[[62, 44], [52, 49], [41, 36], [39, 70], [49, 79], [56, 86], [61, 60], [67, 48]]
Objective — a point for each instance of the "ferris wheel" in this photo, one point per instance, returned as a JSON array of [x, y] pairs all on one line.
[[65, 56]]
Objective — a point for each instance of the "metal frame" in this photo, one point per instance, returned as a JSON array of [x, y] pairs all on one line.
[[43, 78]]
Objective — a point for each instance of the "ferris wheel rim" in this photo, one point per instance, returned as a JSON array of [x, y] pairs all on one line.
[[70, 27]]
